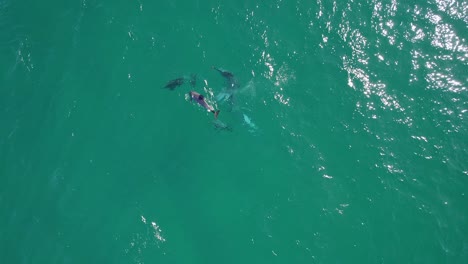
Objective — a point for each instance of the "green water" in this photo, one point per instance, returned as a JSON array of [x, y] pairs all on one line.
[[359, 153]]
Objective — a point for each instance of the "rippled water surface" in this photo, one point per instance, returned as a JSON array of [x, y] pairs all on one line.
[[345, 140]]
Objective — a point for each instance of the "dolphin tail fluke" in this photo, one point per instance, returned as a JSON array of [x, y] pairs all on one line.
[[216, 113]]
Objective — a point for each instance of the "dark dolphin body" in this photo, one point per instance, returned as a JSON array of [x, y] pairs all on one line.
[[230, 79], [224, 73], [200, 99], [171, 85]]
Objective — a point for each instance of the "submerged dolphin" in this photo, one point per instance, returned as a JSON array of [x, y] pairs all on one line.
[[231, 87], [227, 95], [221, 126], [201, 101], [230, 80], [172, 84], [249, 122]]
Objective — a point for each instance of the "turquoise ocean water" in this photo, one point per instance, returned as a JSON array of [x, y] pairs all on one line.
[[349, 138]]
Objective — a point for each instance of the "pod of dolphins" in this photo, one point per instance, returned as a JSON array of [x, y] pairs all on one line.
[[227, 95]]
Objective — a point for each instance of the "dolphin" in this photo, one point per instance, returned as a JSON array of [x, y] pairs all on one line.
[[227, 95], [200, 99], [221, 126], [230, 79], [249, 122], [172, 84]]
